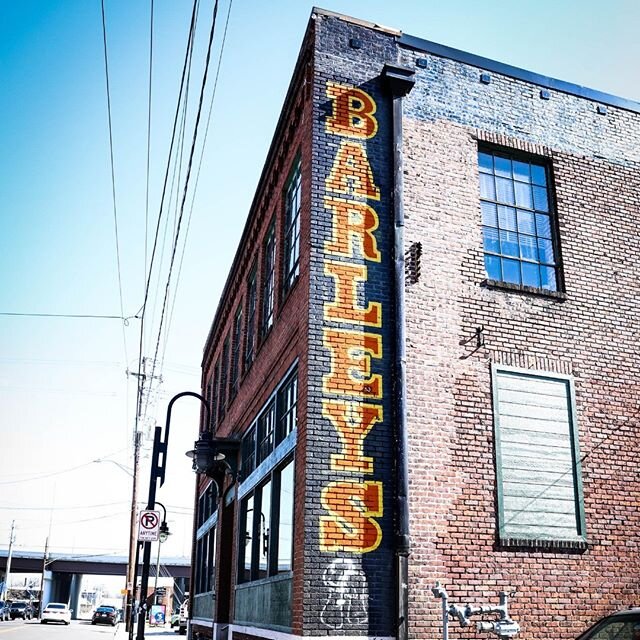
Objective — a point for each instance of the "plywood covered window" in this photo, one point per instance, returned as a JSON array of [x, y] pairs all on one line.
[[537, 457]]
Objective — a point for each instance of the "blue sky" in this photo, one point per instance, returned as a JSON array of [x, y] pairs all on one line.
[[64, 397]]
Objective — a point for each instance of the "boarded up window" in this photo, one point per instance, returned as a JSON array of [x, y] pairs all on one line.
[[538, 464]]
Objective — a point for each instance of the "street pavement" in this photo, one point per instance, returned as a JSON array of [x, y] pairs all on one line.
[[77, 630]]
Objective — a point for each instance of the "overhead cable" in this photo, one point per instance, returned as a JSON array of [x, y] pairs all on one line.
[[187, 177], [113, 178], [188, 52]]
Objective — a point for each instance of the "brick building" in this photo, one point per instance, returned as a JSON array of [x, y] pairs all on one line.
[[427, 346]]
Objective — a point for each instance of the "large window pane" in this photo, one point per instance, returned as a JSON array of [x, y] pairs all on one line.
[[285, 531], [246, 538], [264, 529]]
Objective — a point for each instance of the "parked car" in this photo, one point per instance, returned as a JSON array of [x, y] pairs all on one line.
[[56, 612], [184, 616], [4, 611], [175, 620], [20, 610], [105, 615], [623, 625]]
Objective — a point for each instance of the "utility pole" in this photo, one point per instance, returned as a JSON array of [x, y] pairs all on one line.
[[44, 568], [133, 543], [8, 571], [132, 564]]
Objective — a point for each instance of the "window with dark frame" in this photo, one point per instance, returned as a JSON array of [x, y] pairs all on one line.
[[287, 410], [224, 380], [518, 222], [275, 421], [266, 432], [266, 526], [252, 304], [266, 540], [268, 285], [249, 451], [213, 395], [205, 543], [292, 203], [235, 352]]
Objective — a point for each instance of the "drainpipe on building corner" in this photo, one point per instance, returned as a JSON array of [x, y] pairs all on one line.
[[400, 81]]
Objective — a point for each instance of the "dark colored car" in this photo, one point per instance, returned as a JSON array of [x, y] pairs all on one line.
[[105, 615], [623, 625], [4, 611], [21, 610]]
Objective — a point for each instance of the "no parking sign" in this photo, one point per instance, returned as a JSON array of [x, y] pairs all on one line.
[[149, 526]]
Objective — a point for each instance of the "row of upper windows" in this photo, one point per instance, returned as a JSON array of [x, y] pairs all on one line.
[[519, 229], [254, 316]]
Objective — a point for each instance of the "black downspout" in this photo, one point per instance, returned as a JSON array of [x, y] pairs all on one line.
[[400, 81]]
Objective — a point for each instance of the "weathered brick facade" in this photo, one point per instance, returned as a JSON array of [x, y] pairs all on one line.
[[462, 328]]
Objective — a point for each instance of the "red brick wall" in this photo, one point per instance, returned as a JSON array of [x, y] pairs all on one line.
[[592, 335], [287, 340]]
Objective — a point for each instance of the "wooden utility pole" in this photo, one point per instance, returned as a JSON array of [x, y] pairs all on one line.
[[44, 568], [3, 596]]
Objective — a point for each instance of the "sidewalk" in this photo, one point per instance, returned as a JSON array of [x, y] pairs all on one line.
[[149, 632]]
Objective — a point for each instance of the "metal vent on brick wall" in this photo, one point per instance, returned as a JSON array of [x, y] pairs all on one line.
[[412, 265]]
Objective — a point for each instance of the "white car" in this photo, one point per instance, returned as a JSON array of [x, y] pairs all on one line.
[[56, 612]]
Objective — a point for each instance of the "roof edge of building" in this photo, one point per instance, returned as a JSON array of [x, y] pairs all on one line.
[[318, 11], [517, 73]]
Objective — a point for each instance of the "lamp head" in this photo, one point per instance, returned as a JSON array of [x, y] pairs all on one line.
[[164, 532], [215, 457]]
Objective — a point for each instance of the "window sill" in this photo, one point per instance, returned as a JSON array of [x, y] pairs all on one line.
[[521, 288], [577, 545], [279, 577]]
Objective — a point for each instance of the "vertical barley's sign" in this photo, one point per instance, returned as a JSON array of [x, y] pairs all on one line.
[[352, 389]]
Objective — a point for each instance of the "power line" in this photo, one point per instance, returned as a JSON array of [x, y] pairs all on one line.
[[146, 206], [195, 186], [93, 316], [187, 177], [50, 508], [57, 473], [188, 53], [113, 177]]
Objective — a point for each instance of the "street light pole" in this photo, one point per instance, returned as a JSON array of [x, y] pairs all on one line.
[[164, 534], [158, 471]]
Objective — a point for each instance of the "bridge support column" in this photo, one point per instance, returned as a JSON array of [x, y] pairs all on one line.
[[47, 588], [75, 590]]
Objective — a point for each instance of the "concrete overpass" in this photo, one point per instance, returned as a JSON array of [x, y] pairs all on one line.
[[85, 564], [64, 571]]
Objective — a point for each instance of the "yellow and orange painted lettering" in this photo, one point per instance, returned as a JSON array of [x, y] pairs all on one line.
[[352, 421], [351, 353], [351, 524], [352, 389], [353, 112], [353, 223], [344, 307], [351, 172]]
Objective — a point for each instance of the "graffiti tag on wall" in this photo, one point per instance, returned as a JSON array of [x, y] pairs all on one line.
[[352, 392]]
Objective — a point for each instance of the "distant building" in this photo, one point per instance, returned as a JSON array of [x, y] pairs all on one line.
[[442, 252]]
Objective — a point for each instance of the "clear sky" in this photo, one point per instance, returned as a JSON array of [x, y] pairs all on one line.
[[65, 399]]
